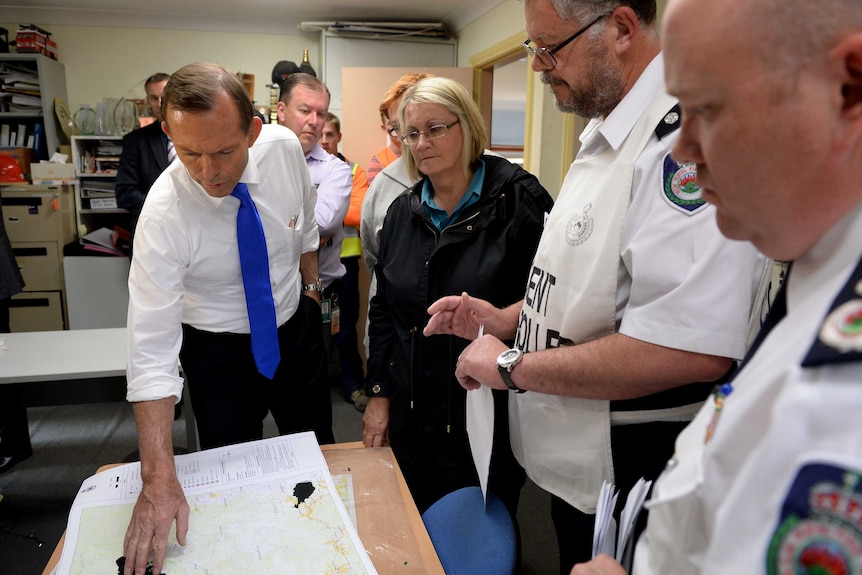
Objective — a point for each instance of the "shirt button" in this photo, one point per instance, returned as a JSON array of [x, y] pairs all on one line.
[[376, 388]]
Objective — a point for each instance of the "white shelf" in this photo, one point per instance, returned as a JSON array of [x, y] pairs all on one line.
[[52, 83], [93, 219]]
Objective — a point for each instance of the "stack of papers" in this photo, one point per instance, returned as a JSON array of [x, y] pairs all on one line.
[[606, 526], [102, 240], [19, 89]]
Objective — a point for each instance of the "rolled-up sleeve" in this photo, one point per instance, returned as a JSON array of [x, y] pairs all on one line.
[[155, 311]]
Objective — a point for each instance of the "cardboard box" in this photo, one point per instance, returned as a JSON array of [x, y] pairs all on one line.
[[24, 157], [52, 171]]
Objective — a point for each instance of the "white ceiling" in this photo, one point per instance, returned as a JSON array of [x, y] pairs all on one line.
[[265, 16]]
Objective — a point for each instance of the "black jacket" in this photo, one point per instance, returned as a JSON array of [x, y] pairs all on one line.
[[144, 157], [488, 253], [11, 280]]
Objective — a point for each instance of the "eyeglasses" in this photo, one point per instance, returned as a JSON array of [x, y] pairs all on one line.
[[545, 56], [393, 132], [432, 133]]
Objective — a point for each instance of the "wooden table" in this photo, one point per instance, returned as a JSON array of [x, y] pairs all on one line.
[[388, 522]]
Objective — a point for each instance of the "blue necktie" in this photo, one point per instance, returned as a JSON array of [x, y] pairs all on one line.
[[254, 261]]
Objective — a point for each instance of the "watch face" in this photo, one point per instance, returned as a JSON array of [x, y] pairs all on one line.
[[509, 357]]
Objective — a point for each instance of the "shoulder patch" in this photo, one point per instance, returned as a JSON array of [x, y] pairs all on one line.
[[679, 188], [819, 529], [670, 123], [840, 336]]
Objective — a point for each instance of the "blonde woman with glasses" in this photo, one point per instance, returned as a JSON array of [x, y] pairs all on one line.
[[472, 223]]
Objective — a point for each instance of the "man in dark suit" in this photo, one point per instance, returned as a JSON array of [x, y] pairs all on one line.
[[145, 154]]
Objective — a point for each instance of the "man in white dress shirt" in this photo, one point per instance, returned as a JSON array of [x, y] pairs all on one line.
[[302, 107], [766, 479], [187, 295]]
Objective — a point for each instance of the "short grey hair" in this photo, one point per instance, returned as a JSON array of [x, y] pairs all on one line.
[[584, 10]]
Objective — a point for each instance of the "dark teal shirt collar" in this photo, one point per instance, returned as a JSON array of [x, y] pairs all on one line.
[[439, 217]]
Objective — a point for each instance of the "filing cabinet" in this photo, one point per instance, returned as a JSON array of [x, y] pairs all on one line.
[[39, 220]]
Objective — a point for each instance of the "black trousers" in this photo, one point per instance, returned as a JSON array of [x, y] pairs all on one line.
[[231, 399], [346, 340], [639, 450], [14, 428]]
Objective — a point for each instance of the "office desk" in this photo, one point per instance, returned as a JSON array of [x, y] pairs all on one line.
[[70, 367], [388, 522], [40, 356]]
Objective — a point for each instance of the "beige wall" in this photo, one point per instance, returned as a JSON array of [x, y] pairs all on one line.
[[114, 62], [499, 23]]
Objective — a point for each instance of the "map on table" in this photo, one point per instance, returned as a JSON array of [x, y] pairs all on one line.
[[268, 506]]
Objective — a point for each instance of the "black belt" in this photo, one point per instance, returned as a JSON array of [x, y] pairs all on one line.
[[331, 290], [674, 397]]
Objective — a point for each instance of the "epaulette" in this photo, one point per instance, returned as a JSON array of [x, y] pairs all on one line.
[[840, 336], [670, 123]]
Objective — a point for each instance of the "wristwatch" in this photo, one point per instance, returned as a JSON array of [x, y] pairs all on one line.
[[316, 286], [506, 362]]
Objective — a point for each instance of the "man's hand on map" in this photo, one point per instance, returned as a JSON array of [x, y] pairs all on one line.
[[160, 503]]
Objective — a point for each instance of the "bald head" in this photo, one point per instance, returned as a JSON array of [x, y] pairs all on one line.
[[799, 31], [771, 94], [785, 33]]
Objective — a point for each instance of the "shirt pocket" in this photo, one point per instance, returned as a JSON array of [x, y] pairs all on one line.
[[676, 529]]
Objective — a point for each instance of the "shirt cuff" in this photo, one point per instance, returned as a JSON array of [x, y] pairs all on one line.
[[377, 389]]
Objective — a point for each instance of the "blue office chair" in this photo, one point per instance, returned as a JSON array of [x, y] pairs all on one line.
[[470, 538]]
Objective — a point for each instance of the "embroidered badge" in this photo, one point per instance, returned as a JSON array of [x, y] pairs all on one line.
[[840, 336], [679, 187], [820, 527], [843, 327], [580, 227]]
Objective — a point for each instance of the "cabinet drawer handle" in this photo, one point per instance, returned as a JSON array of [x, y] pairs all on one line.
[[25, 252], [28, 201], [30, 302]]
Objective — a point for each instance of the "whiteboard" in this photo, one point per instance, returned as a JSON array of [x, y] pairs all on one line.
[[345, 52]]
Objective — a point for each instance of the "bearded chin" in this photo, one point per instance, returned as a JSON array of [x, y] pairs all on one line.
[[550, 80], [600, 90]]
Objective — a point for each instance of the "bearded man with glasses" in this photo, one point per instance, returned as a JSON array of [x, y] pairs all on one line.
[[636, 306]]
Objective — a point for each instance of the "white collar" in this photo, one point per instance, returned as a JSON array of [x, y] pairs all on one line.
[[616, 127]]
